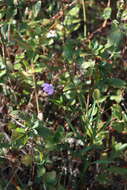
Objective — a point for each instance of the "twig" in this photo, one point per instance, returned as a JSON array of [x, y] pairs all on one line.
[[61, 12], [104, 25], [17, 122], [98, 30], [36, 94], [3, 50], [11, 179], [7, 137], [31, 97], [84, 16], [105, 22]]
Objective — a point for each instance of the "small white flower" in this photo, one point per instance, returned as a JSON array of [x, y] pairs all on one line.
[[51, 34]]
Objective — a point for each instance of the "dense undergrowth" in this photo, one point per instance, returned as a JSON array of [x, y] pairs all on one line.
[[63, 96]]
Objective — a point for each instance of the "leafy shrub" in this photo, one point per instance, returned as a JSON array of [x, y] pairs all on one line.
[[63, 82]]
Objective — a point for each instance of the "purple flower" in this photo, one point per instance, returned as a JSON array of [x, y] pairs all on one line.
[[48, 88]]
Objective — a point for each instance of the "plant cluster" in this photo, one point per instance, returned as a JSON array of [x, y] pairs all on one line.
[[63, 94]]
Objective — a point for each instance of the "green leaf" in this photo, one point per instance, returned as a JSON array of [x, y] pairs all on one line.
[[87, 64], [124, 15], [72, 20], [120, 146], [20, 130], [44, 132], [41, 171], [68, 50], [116, 111], [115, 35], [60, 187], [96, 94], [59, 135], [107, 13], [50, 178], [27, 160], [103, 179], [36, 9], [118, 170], [117, 98], [116, 83], [2, 73], [18, 66], [102, 162], [74, 11]]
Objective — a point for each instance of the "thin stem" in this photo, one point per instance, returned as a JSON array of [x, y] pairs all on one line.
[[36, 94], [3, 56], [105, 22], [84, 17], [11, 178]]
